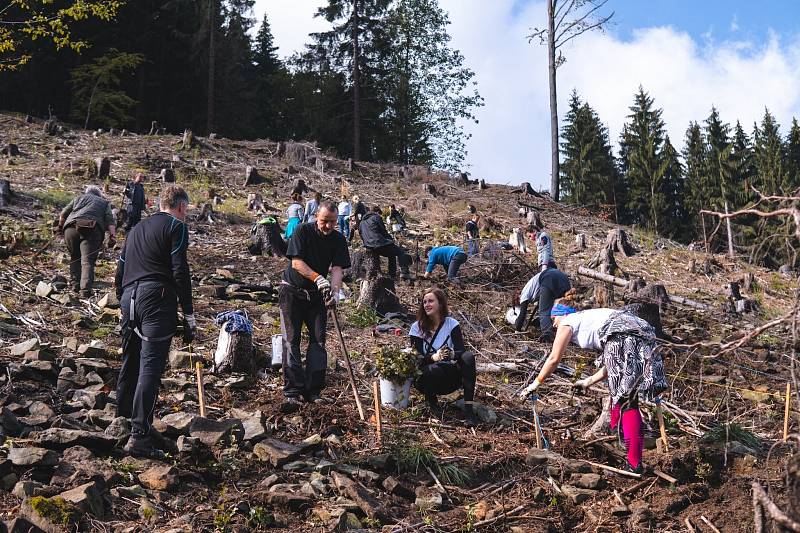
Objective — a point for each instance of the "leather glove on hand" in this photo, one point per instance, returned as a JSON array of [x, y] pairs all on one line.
[[530, 389], [189, 328], [442, 354], [322, 283]]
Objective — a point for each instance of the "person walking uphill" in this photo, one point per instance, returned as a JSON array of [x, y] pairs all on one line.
[[630, 362], [84, 222], [294, 214], [445, 364], [134, 201], [152, 277], [377, 240], [305, 292], [450, 257]]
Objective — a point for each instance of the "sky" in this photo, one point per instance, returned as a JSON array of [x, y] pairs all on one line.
[[737, 55]]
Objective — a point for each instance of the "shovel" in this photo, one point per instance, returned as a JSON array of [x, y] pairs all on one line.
[[347, 363]]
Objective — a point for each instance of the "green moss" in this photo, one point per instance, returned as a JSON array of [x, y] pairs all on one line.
[[148, 513], [102, 332], [56, 509], [53, 197]]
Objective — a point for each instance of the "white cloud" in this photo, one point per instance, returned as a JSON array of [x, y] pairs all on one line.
[[735, 23], [685, 76]]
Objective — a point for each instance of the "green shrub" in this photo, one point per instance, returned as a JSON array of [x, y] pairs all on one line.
[[395, 364]]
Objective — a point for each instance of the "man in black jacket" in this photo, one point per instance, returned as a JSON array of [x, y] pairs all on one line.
[[377, 240], [152, 277], [134, 201]]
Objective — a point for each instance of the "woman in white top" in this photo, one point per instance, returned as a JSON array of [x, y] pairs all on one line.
[[312, 206], [445, 364], [629, 361]]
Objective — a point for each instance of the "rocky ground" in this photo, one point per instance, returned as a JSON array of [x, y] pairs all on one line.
[[247, 466]]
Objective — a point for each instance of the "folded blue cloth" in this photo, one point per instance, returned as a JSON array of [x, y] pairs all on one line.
[[235, 321]]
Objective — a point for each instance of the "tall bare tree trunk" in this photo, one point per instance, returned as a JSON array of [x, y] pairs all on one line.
[[729, 227], [356, 88], [212, 8], [551, 69]]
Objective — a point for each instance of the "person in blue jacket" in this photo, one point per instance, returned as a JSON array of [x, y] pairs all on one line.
[[450, 257]]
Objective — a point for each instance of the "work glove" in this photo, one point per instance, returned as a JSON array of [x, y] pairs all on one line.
[[530, 389], [189, 328], [442, 354], [322, 284], [582, 385]]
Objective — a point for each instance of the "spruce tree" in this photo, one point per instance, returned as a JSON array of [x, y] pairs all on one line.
[[720, 171], [673, 189], [272, 83], [769, 156], [697, 188], [793, 158], [235, 95]]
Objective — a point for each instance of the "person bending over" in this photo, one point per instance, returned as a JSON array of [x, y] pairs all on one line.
[[544, 287]]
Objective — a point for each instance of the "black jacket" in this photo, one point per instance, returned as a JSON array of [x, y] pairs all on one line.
[[373, 231], [156, 251]]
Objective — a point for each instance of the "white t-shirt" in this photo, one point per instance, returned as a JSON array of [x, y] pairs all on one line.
[[531, 290], [448, 326], [344, 209], [586, 326]]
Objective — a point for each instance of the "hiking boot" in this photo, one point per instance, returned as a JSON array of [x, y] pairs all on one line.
[[638, 470], [143, 447], [471, 420], [291, 404], [433, 406]]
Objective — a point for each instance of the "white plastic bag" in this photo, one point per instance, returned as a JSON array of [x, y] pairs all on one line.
[[223, 344]]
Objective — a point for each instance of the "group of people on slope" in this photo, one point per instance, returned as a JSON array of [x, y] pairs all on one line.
[[153, 279]]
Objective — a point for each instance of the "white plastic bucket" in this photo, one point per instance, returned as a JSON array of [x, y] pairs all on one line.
[[277, 351], [395, 395]]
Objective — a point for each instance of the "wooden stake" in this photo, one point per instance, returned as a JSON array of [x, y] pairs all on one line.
[[661, 427], [786, 412], [376, 392], [201, 391], [536, 428]]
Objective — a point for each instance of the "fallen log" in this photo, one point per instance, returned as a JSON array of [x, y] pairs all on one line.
[[619, 282]]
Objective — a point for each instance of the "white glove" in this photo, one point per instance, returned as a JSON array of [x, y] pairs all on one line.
[[442, 354], [191, 321], [582, 384], [530, 389], [323, 284]]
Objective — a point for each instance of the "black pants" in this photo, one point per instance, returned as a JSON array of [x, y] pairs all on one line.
[[134, 217], [84, 246], [394, 254], [455, 263], [445, 377], [143, 361], [547, 298], [300, 307]]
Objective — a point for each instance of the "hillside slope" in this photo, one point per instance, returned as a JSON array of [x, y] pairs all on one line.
[[57, 387]]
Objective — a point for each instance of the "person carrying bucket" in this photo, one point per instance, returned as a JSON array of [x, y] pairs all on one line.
[[630, 362]]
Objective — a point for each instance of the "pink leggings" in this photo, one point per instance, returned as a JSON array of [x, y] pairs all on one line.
[[632, 432]]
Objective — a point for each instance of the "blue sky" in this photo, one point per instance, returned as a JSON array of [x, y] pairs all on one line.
[[740, 56]]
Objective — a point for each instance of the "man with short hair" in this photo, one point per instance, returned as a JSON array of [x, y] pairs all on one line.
[[545, 288], [377, 240], [449, 257], [134, 200], [152, 277], [472, 234], [84, 222], [305, 292]]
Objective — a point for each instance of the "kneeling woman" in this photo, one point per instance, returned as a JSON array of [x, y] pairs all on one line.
[[446, 366], [630, 362]]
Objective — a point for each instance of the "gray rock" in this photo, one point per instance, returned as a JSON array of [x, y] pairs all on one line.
[[268, 481], [91, 399], [161, 477], [41, 409], [8, 481], [59, 439], [109, 300], [396, 487], [33, 457], [538, 457], [19, 350], [254, 427], [93, 349], [577, 495], [100, 417], [427, 499], [70, 514], [36, 370], [23, 489], [276, 452], [188, 444], [88, 497], [178, 423], [213, 432], [69, 379], [587, 481], [132, 492], [10, 423], [119, 429], [179, 359]]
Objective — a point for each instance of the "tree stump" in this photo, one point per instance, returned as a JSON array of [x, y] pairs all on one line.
[[749, 282], [482, 185], [379, 294], [50, 127], [5, 192], [188, 140], [103, 167], [167, 175], [617, 241], [647, 302], [372, 264], [534, 221], [251, 176], [300, 187], [267, 237], [206, 213], [350, 164], [212, 136], [357, 268], [11, 150], [429, 188], [28, 119], [239, 355], [580, 241], [153, 127], [255, 202], [732, 291], [319, 165]]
